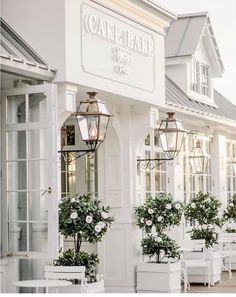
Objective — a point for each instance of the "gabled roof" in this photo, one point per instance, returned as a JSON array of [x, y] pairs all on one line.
[[177, 98], [11, 44], [185, 33], [17, 57]]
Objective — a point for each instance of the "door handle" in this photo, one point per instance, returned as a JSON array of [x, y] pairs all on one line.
[[49, 190]]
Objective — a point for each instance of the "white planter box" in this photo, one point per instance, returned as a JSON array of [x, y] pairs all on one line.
[[96, 287], [159, 277], [197, 275]]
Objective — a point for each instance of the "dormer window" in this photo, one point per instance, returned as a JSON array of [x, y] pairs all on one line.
[[199, 78], [204, 80], [194, 86]]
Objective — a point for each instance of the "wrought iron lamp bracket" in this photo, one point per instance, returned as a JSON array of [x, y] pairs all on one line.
[[149, 164], [71, 155]]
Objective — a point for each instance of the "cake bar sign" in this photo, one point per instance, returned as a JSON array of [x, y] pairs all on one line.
[[117, 49], [114, 33]]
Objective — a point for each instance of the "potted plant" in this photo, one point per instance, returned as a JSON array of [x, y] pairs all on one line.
[[229, 218], [154, 217], [203, 213], [229, 215], [84, 219]]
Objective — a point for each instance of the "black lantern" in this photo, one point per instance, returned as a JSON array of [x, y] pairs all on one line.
[[93, 117], [171, 135], [198, 159]]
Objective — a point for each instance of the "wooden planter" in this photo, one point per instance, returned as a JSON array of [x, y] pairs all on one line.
[[159, 277]]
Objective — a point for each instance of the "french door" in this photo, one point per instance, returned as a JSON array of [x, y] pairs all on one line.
[[29, 172]]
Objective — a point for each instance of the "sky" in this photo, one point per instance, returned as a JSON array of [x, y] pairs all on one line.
[[222, 15]]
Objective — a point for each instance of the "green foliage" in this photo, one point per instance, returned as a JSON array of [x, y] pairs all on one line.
[[70, 258], [204, 210], [208, 234], [162, 245], [230, 230], [230, 212], [157, 214], [161, 212], [84, 218]]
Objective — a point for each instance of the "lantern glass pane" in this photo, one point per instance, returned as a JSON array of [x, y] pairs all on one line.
[[93, 125], [102, 108], [103, 127], [168, 141], [179, 140], [83, 107], [83, 126]]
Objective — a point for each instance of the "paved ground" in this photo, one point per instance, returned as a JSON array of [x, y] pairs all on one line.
[[227, 285]]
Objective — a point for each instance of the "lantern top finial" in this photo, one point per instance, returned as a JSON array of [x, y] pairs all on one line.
[[170, 115], [92, 94]]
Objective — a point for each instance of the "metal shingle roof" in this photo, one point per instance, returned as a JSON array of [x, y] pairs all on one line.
[[175, 96]]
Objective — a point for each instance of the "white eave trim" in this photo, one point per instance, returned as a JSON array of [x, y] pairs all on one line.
[[161, 9], [26, 68], [200, 114]]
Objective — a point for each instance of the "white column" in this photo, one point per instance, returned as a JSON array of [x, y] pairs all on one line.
[[219, 168], [120, 249]]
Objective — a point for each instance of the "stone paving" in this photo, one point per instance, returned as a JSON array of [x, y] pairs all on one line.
[[226, 286]]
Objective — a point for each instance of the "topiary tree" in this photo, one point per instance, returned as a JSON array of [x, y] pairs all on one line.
[[154, 217], [229, 214], [203, 211], [84, 219]]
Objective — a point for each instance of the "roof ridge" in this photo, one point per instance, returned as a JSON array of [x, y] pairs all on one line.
[[193, 14]]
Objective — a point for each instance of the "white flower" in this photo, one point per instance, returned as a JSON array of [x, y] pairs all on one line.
[[159, 219], [231, 204], [159, 239], [168, 206], [89, 219], [74, 215], [148, 223], [204, 226], [104, 215], [101, 224], [177, 206], [150, 211], [209, 226], [73, 200], [97, 228], [142, 220], [193, 205]]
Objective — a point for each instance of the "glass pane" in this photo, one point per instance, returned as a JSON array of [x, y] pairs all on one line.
[[17, 237], [163, 182], [38, 175], [157, 182], [147, 140], [16, 175], [37, 108], [16, 144], [37, 144], [148, 181], [17, 206], [16, 111], [38, 206], [38, 237]]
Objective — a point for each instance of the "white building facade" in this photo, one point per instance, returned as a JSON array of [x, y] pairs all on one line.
[[119, 48]]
